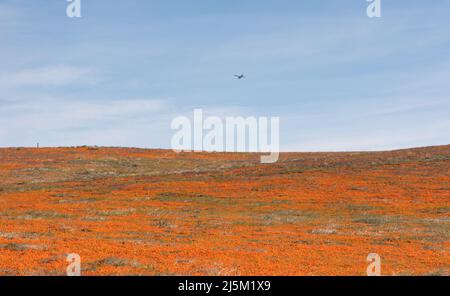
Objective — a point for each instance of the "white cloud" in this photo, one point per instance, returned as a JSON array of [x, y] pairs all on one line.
[[371, 140], [59, 75], [64, 122]]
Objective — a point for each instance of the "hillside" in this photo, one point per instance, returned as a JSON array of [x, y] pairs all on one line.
[[155, 212]]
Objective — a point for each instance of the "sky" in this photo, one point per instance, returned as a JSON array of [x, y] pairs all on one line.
[[337, 79]]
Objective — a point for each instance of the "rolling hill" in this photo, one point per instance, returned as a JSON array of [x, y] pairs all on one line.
[[154, 212]]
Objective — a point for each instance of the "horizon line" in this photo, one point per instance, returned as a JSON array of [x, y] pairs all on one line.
[[220, 152]]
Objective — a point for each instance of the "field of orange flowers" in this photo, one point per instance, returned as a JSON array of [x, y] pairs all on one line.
[[155, 212]]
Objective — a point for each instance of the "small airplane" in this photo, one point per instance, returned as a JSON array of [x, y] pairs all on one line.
[[242, 76]]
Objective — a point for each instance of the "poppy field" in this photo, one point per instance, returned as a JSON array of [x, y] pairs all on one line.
[[155, 212]]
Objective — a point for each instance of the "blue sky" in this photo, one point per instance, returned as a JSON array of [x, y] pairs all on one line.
[[337, 79]]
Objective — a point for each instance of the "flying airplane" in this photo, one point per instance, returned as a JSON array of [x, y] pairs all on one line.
[[242, 76]]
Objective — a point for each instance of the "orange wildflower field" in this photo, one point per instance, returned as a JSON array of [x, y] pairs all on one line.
[[155, 212]]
